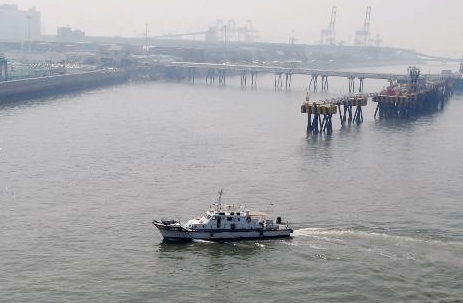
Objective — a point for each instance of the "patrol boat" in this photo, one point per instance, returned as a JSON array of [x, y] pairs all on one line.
[[225, 222]]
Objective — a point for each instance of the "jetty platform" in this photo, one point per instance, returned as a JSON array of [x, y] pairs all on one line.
[[283, 75], [320, 113], [418, 96]]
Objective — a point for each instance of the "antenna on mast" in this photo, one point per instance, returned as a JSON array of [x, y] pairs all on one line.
[[219, 198]]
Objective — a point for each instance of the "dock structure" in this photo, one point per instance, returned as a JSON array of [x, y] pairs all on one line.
[[316, 125], [407, 105], [319, 79], [419, 96], [348, 103], [320, 113]]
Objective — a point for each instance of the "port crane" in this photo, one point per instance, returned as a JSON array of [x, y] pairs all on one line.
[[328, 35], [362, 37]]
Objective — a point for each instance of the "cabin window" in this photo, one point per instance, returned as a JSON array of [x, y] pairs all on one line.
[[229, 218], [232, 213], [238, 213]]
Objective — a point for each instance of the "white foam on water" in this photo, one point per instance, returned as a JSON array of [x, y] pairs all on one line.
[[351, 234], [202, 241]]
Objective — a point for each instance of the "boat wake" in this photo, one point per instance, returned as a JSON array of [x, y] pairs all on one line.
[[341, 235]]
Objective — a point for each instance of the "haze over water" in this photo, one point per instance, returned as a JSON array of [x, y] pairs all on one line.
[[376, 208], [433, 27]]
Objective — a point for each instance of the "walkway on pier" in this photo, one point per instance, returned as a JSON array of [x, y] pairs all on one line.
[[283, 75]]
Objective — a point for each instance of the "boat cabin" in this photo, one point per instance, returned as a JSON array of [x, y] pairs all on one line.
[[230, 217]]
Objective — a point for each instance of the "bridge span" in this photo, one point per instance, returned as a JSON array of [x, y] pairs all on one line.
[[283, 75]]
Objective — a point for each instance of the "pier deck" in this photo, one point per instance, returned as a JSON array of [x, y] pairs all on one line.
[[283, 75]]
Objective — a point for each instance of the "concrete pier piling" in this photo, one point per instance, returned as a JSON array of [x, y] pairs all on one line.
[[320, 114], [319, 117], [222, 78], [349, 103], [279, 80]]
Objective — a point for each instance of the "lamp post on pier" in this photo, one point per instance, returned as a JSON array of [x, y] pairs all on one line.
[[146, 39], [29, 32]]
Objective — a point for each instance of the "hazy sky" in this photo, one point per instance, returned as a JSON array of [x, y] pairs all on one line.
[[430, 26]]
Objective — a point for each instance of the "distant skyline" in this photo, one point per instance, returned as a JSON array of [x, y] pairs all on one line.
[[432, 26]]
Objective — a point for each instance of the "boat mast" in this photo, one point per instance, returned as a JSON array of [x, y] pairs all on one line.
[[219, 198]]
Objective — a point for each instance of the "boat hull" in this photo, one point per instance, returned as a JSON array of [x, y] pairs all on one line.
[[217, 235]]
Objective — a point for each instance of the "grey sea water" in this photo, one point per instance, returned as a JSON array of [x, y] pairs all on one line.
[[377, 208]]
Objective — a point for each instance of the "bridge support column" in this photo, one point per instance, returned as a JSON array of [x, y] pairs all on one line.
[[313, 81], [278, 81], [288, 80], [210, 77], [253, 78], [222, 73], [351, 84], [324, 83], [191, 75], [361, 85], [243, 78]]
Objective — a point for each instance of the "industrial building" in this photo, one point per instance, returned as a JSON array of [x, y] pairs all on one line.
[[17, 25]]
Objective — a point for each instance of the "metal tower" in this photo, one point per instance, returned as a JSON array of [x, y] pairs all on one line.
[[328, 35], [362, 37]]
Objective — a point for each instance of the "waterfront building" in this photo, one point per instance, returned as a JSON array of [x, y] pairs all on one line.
[[18, 25], [68, 34]]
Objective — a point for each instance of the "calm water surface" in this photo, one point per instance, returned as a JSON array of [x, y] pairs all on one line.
[[377, 208]]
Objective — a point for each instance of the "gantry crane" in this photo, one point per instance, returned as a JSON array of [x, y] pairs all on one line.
[[362, 37], [328, 35]]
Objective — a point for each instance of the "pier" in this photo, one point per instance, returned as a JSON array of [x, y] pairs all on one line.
[[282, 75], [420, 95], [407, 105], [320, 114]]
